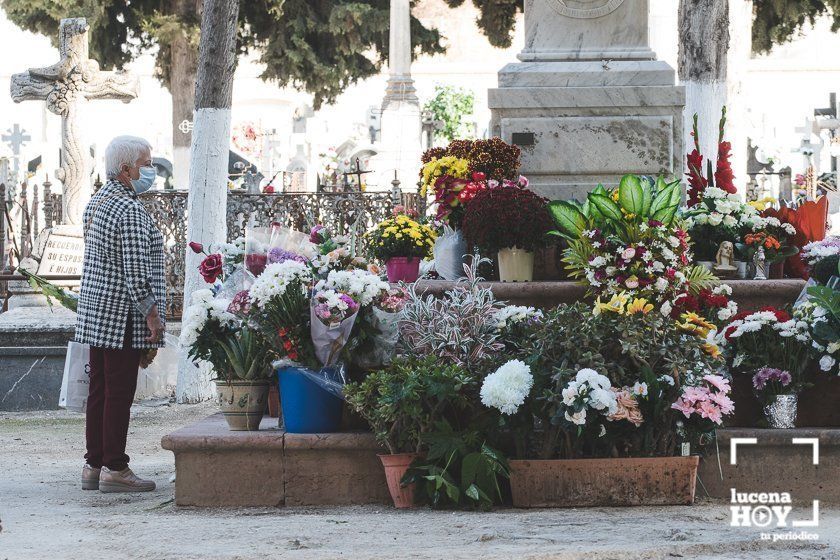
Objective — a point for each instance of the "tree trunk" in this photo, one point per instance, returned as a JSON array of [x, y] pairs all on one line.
[[207, 201], [711, 59], [182, 78]]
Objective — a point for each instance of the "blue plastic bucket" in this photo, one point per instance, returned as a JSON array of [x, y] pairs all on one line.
[[307, 407]]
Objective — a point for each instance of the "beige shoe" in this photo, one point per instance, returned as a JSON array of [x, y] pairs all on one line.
[[90, 478], [123, 481]]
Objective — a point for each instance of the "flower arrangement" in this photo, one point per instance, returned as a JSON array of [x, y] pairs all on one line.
[[589, 390], [221, 260], [774, 237], [400, 236], [628, 239], [507, 217], [706, 400], [457, 173], [772, 381], [821, 313], [823, 258], [506, 388], [719, 216]]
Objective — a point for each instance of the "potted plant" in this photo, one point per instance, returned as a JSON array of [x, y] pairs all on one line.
[[405, 405], [401, 243], [771, 347], [623, 391], [217, 331], [510, 222], [453, 176]]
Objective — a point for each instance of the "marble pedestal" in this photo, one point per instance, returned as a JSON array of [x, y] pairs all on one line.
[[584, 122]]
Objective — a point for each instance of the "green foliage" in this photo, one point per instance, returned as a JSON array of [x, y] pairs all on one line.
[[322, 47], [402, 402], [459, 470], [450, 105], [496, 19], [778, 21], [66, 298], [700, 278], [825, 269], [246, 354]]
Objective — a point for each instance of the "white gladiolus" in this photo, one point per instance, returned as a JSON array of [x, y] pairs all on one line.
[[507, 387]]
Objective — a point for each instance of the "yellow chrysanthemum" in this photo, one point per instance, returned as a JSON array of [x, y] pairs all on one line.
[[615, 305]]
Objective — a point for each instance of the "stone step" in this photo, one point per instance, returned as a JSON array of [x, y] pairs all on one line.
[[217, 467], [778, 461]]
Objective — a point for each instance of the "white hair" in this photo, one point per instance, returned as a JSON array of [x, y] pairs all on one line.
[[123, 149]]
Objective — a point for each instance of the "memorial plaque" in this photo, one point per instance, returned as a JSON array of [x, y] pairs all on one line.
[[62, 254]]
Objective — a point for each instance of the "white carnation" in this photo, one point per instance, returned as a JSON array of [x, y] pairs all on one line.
[[507, 387]]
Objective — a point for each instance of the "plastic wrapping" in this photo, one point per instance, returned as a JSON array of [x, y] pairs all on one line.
[[161, 377], [803, 295], [331, 379], [381, 348], [256, 249], [330, 340], [238, 280], [292, 240], [449, 251]]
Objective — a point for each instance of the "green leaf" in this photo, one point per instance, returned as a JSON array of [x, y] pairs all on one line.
[[631, 194], [647, 200], [666, 214], [700, 278], [606, 206], [570, 221], [469, 468], [661, 200]]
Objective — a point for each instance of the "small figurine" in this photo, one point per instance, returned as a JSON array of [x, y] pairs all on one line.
[[760, 262], [724, 258]]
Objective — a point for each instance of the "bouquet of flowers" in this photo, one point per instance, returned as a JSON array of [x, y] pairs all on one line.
[[704, 401], [767, 338], [719, 216], [332, 253], [722, 178], [222, 259], [823, 258], [457, 173], [821, 312], [332, 317], [507, 217], [774, 236], [378, 349], [400, 236]]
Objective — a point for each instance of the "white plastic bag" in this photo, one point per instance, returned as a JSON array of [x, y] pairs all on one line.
[[450, 249], [160, 378], [75, 385]]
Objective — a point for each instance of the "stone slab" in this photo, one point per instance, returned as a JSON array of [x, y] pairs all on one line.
[[750, 294], [37, 326], [273, 468], [775, 464], [596, 73], [30, 378]]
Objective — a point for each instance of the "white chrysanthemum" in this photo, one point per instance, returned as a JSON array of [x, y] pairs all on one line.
[[507, 387], [276, 278], [197, 315], [512, 314], [363, 286]]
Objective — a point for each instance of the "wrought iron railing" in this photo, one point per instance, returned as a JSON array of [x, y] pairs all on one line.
[[350, 214]]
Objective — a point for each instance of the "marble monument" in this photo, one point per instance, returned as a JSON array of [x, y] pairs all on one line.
[[588, 102]]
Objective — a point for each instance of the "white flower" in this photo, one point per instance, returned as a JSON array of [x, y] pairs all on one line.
[[661, 284], [363, 286], [595, 379], [789, 229], [833, 347], [578, 418], [276, 278], [598, 261], [722, 290], [730, 221], [724, 313], [827, 362], [667, 379], [715, 218], [640, 389], [666, 309], [714, 192], [507, 387], [513, 314]]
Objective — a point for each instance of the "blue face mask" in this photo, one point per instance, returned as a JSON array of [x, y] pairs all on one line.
[[146, 180]]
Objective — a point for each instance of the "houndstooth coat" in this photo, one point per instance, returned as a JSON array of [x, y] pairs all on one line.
[[122, 272]]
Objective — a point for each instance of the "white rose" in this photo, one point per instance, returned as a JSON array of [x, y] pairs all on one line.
[[578, 418], [827, 362]]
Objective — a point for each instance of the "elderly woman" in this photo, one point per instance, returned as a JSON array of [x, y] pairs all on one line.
[[119, 311]]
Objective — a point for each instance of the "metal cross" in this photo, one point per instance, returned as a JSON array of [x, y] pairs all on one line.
[[357, 172], [16, 137]]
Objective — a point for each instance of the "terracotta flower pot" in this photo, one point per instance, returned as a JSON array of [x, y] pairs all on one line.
[[516, 265], [395, 468], [242, 403], [604, 482], [403, 269], [273, 401]]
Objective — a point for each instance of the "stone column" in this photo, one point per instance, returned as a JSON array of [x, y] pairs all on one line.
[[401, 122], [588, 102]]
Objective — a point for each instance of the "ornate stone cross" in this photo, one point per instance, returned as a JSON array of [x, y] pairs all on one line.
[[16, 137], [65, 86]]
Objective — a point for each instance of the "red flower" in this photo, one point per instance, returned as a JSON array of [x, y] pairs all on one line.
[[269, 189], [196, 247], [255, 263], [211, 268], [724, 179], [696, 182]]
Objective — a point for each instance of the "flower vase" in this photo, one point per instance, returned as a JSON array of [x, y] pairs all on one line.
[[742, 269], [780, 411], [777, 271], [402, 269], [516, 265]]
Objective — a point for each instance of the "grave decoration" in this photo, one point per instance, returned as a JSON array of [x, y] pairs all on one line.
[[401, 242]]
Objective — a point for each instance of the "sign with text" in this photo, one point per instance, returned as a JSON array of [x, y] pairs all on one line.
[[62, 254]]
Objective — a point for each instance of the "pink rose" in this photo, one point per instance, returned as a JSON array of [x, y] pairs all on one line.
[[628, 253]]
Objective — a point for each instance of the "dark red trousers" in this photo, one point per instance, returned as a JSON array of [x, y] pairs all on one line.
[[113, 381]]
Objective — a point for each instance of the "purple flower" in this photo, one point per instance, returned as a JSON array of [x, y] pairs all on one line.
[[315, 234], [771, 375], [351, 303], [279, 255]]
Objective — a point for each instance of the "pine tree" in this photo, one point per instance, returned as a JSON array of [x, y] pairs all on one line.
[[778, 21]]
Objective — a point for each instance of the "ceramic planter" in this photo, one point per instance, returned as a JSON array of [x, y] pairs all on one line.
[[603, 482], [516, 265], [242, 403], [403, 269], [395, 468]]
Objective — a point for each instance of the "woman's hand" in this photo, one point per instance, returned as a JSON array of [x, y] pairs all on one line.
[[155, 326]]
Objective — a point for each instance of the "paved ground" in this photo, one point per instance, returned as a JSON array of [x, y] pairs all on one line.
[[44, 515]]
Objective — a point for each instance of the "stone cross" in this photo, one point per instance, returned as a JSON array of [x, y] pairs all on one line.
[[16, 137], [66, 86]]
